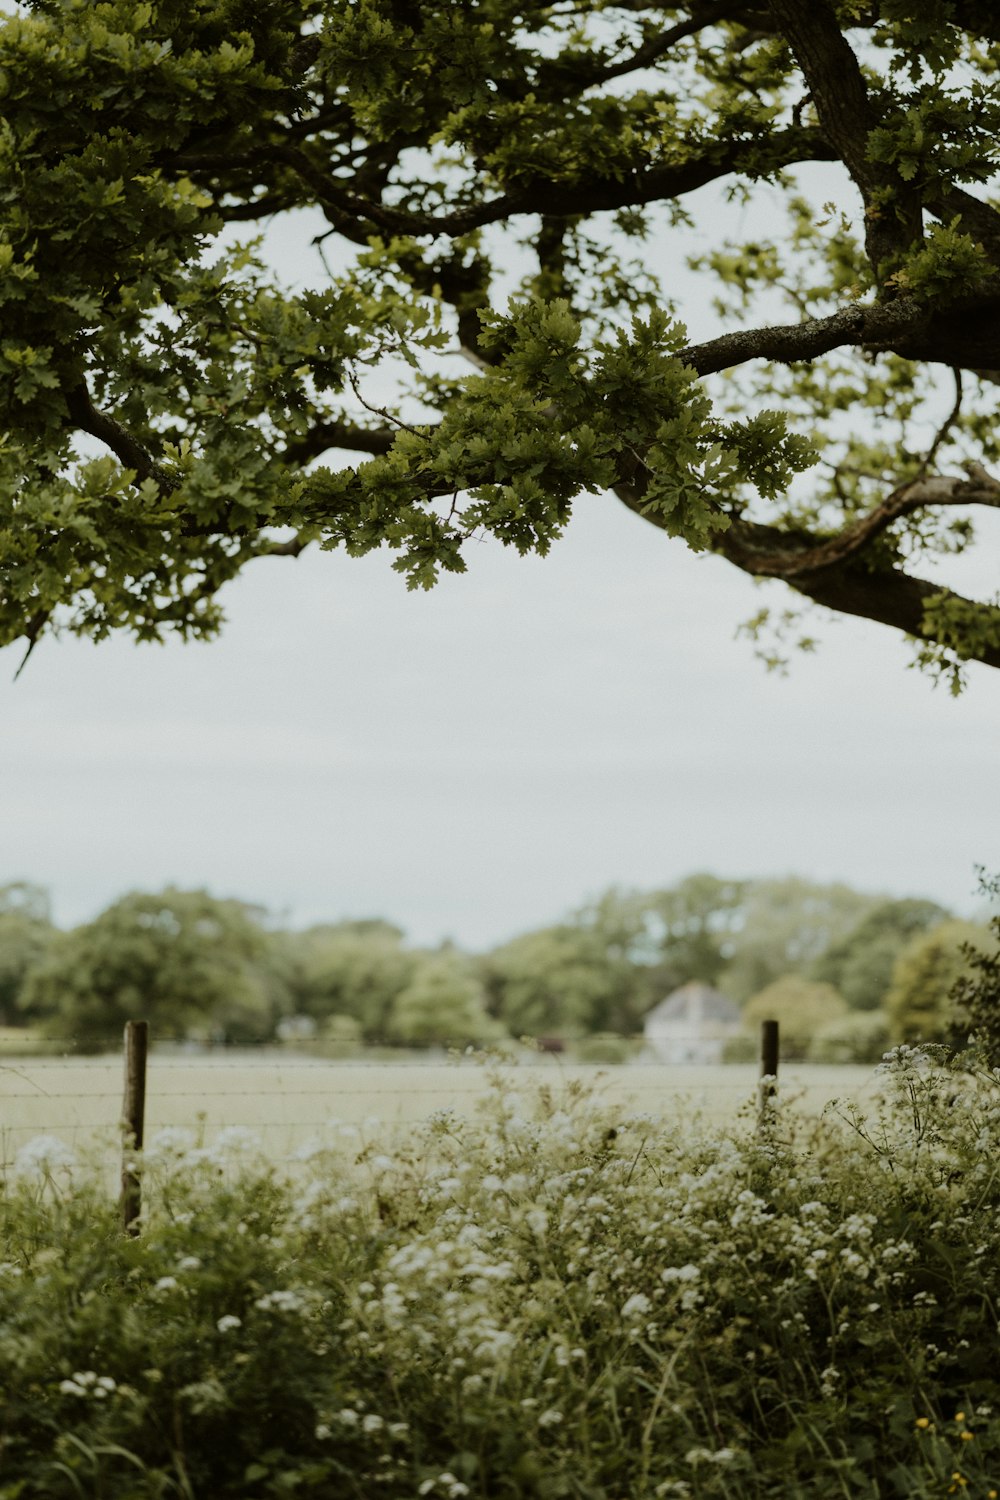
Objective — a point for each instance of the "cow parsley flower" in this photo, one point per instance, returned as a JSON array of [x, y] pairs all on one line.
[[43, 1156]]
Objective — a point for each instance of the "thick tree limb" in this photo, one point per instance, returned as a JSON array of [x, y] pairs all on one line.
[[768, 552], [849, 585], [846, 116], [878, 325], [977, 218], [964, 335], [891, 597], [326, 435]]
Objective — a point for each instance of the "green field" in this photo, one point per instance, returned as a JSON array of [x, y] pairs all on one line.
[[291, 1101]]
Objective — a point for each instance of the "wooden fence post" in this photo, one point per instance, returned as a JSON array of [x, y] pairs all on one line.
[[133, 1117], [768, 1069]]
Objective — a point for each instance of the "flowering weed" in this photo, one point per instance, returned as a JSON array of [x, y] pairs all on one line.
[[544, 1300]]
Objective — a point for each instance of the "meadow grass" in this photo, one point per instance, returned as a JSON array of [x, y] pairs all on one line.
[[286, 1099]]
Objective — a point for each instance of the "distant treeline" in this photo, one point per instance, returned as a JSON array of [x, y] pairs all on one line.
[[862, 969]]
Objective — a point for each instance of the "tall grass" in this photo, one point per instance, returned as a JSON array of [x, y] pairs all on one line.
[[542, 1300]]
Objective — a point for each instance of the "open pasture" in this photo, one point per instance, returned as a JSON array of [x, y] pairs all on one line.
[[289, 1101]]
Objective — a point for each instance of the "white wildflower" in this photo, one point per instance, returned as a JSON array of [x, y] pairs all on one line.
[[680, 1273], [229, 1321], [43, 1156], [695, 1456], [236, 1140], [637, 1306], [88, 1383], [170, 1142], [446, 1484], [281, 1301]]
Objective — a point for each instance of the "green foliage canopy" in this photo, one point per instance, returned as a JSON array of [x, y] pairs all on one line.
[[556, 981], [860, 965], [800, 1007], [784, 926], [976, 995], [183, 960], [443, 1003], [351, 968], [169, 411], [25, 936], [931, 965]]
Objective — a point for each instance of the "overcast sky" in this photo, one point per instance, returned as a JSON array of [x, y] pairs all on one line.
[[479, 760], [475, 761]]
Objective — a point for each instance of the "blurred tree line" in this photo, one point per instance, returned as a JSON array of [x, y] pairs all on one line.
[[846, 973]]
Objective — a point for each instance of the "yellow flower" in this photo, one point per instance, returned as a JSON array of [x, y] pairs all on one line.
[[966, 1436], [960, 1416], [923, 1421]]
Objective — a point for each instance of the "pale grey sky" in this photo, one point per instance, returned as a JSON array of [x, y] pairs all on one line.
[[478, 760]]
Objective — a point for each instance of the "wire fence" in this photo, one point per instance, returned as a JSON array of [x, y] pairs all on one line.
[[289, 1100]]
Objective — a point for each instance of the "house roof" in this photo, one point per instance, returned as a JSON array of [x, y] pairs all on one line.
[[694, 1002]]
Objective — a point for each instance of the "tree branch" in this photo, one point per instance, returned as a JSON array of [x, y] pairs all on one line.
[[87, 418], [878, 326], [326, 435], [850, 586], [977, 217], [846, 116], [768, 552], [348, 210], [557, 71]]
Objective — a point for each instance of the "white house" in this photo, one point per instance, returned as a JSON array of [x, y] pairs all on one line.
[[691, 1025]]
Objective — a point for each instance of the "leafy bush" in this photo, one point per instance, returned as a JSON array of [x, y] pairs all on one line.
[[800, 1006], [861, 1037], [975, 996], [743, 1047], [541, 1301], [605, 1047]]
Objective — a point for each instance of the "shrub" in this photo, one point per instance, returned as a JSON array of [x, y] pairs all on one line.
[[862, 1037], [604, 1047], [800, 1006], [744, 1047], [541, 1301], [341, 1036], [975, 997]]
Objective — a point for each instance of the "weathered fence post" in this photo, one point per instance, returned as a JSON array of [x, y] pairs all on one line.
[[768, 1069], [133, 1116]]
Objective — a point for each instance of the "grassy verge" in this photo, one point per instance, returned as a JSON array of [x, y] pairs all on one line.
[[539, 1301], [24, 1041]]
